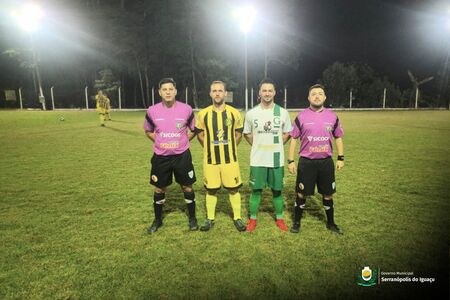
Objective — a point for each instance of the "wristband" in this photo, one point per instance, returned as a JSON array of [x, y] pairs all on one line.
[[290, 161], [340, 157]]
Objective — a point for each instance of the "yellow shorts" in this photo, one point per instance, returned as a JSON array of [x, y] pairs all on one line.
[[227, 175]]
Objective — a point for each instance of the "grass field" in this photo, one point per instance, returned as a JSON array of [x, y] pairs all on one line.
[[75, 204]]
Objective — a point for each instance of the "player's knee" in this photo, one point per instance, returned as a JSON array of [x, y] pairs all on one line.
[[187, 188], [276, 193], [160, 190], [159, 198], [212, 192], [300, 201], [256, 192], [233, 191], [189, 197]]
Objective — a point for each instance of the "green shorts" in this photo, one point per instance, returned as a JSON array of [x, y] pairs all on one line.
[[260, 177]]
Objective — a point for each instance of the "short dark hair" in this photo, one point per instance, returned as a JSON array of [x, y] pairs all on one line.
[[219, 82], [167, 80], [316, 86], [267, 80]]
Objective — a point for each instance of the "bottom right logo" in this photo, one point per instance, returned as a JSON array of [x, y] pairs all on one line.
[[367, 277]]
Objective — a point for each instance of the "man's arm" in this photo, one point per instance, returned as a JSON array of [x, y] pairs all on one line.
[[340, 152], [238, 137], [291, 166], [191, 134], [286, 137], [249, 138], [201, 137], [150, 135]]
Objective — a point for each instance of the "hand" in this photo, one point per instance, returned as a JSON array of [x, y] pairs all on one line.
[[292, 168], [339, 165]]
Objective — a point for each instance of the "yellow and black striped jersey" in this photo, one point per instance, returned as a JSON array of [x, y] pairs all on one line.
[[102, 101], [219, 145]]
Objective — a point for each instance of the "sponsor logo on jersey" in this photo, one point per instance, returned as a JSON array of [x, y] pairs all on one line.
[[170, 134], [268, 126], [318, 149], [317, 138], [171, 145]]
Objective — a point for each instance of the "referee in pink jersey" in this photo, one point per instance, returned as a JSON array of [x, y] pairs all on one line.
[[170, 126], [316, 127]]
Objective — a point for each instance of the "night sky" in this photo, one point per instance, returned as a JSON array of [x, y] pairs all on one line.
[[389, 36]]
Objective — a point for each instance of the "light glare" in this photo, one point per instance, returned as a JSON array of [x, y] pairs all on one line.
[[28, 17], [246, 16]]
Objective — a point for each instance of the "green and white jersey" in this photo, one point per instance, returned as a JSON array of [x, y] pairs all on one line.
[[267, 127]]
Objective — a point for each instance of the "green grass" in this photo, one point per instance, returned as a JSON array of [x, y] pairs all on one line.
[[75, 204]]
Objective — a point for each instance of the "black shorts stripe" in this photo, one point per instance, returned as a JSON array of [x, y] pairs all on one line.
[[225, 136], [336, 124], [297, 122], [149, 120], [208, 139], [189, 120], [215, 137], [233, 143]]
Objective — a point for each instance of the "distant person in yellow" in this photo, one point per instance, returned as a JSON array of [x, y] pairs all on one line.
[[219, 130], [103, 107]]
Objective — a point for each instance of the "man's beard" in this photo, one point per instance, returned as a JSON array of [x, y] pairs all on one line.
[[219, 102]]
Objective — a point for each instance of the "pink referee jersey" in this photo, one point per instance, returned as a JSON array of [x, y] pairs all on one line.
[[169, 126], [316, 131]]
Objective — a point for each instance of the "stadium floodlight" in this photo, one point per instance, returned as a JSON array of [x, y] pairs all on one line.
[[28, 18], [246, 16]]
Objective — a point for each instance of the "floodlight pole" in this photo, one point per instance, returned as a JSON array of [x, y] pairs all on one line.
[[246, 71], [38, 75], [384, 98]]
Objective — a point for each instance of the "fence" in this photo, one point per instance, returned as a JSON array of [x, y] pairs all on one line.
[[84, 98]]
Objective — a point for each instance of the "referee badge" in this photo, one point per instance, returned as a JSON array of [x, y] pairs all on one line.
[[154, 178]]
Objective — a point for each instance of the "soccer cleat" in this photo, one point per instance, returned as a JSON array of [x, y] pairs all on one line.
[[334, 228], [251, 225], [207, 226], [193, 224], [295, 228], [155, 225], [282, 225], [239, 225]]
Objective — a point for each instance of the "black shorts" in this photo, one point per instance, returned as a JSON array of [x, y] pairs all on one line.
[[315, 171], [164, 167]]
